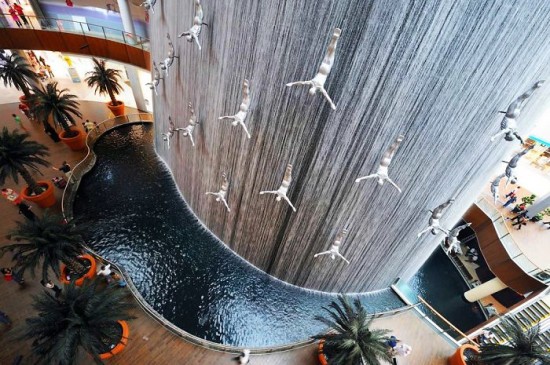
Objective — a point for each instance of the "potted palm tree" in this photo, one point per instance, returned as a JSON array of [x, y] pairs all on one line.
[[47, 242], [15, 71], [62, 107], [90, 318], [106, 82], [349, 340], [19, 156], [523, 346]]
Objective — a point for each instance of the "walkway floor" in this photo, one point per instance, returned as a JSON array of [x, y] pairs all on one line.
[[150, 343]]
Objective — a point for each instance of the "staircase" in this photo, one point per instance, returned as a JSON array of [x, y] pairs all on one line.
[[538, 312]]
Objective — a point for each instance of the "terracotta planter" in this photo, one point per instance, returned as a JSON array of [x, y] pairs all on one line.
[[117, 110], [322, 357], [75, 143], [89, 275], [44, 200], [23, 100], [120, 345], [458, 357]]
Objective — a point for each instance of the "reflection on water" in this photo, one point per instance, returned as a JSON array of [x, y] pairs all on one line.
[[139, 220], [441, 285]]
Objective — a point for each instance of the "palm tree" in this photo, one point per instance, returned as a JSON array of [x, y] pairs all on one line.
[[15, 71], [349, 340], [18, 156], [53, 102], [522, 347], [46, 241], [105, 80], [83, 319]]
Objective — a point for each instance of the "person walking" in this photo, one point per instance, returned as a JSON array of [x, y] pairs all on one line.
[[15, 17], [50, 72], [21, 14], [51, 132], [25, 209], [42, 60], [25, 110], [66, 169], [19, 122], [521, 222], [50, 285], [511, 200]]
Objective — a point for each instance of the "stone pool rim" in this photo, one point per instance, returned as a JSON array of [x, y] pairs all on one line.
[[69, 193]]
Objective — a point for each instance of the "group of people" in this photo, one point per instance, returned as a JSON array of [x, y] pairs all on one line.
[[520, 219], [40, 66], [17, 14], [398, 348], [111, 276]]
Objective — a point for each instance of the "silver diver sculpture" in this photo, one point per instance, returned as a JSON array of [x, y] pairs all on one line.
[[149, 4], [283, 189], [382, 172], [194, 32], [335, 248], [168, 61], [188, 131], [452, 239], [166, 137], [433, 222], [222, 193], [509, 172], [238, 119], [494, 187], [318, 82], [156, 79], [508, 125]]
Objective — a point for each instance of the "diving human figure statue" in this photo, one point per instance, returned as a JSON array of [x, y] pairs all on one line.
[[166, 137], [168, 61], [188, 131], [508, 125], [222, 193], [238, 119], [453, 242], [318, 82], [149, 4], [335, 248], [433, 222], [494, 187], [156, 79], [509, 172], [194, 32], [382, 172], [283, 189]]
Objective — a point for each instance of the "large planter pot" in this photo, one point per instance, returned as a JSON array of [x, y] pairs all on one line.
[[89, 274], [117, 110], [76, 143], [461, 354], [120, 345], [23, 100], [322, 357], [44, 200]]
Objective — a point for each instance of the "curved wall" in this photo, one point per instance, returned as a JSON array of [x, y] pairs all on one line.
[[435, 71]]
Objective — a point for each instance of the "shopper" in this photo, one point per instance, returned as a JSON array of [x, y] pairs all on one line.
[[26, 211], [66, 169], [50, 285], [50, 72], [7, 272], [521, 222], [511, 200], [15, 17], [20, 12], [25, 110], [105, 271], [42, 60], [19, 122]]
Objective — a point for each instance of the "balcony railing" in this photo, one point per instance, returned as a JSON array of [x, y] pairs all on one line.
[[82, 28], [510, 245]]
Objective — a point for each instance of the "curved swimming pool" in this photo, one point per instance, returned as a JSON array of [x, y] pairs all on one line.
[[138, 219]]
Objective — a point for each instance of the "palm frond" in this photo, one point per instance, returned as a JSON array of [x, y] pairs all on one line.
[[56, 103]]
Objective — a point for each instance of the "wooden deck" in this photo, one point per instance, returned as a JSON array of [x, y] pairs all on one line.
[[150, 343]]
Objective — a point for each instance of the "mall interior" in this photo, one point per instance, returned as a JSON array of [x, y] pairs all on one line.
[[233, 182]]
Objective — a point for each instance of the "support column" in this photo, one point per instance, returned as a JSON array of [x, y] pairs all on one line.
[[540, 204], [126, 16], [133, 77], [484, 290]]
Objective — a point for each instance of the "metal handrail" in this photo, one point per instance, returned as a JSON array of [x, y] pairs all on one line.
[[98, 31]]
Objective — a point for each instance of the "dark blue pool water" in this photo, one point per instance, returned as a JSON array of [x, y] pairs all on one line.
[[139, 220], [441, 285]]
